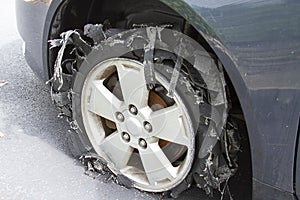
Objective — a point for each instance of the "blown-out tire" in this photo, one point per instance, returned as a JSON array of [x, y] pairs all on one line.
[[130, 128]]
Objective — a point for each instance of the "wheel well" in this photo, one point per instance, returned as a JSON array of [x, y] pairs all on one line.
[[124, 14], [73, 14]]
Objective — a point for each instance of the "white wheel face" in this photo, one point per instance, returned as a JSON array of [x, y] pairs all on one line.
[[135, 131]]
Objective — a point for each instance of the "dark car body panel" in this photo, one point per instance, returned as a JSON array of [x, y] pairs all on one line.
[[258, 43], [31, 29], [262, 40]]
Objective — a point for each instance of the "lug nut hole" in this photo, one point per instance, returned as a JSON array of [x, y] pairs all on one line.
[[120, 117], [126, 137], [148, 126], [133, 110], [143, 143]]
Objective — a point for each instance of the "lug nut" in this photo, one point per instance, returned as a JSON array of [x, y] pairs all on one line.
[[120, 117], [143, 143], [133, 110], [148, 126], [126, 137]]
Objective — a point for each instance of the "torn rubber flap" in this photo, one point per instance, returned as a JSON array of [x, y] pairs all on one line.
[[148, 58], [70, 37], [95, 166]]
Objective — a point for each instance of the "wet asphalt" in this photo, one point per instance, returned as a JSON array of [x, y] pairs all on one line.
[[35, 162]]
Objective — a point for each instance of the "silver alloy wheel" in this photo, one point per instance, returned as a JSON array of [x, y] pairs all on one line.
[[131, 136]]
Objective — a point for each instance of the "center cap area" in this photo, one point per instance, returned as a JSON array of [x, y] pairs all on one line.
[[134, 127]]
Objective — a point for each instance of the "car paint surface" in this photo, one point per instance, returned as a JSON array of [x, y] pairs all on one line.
[[258, 43]]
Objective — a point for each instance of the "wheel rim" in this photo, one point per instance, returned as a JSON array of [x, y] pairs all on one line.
[[151, 144]]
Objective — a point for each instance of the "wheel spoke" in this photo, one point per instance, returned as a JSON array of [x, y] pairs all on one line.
[[133, 85], [167, 124], [157, 166], [116, 150], [103, 102]]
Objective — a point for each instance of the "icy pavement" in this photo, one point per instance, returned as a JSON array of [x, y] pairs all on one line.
[[33, 169]]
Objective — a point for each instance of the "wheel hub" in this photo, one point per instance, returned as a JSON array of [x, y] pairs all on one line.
[[134, 126]]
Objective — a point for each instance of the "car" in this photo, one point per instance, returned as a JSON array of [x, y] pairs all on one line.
[[174, 93]]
